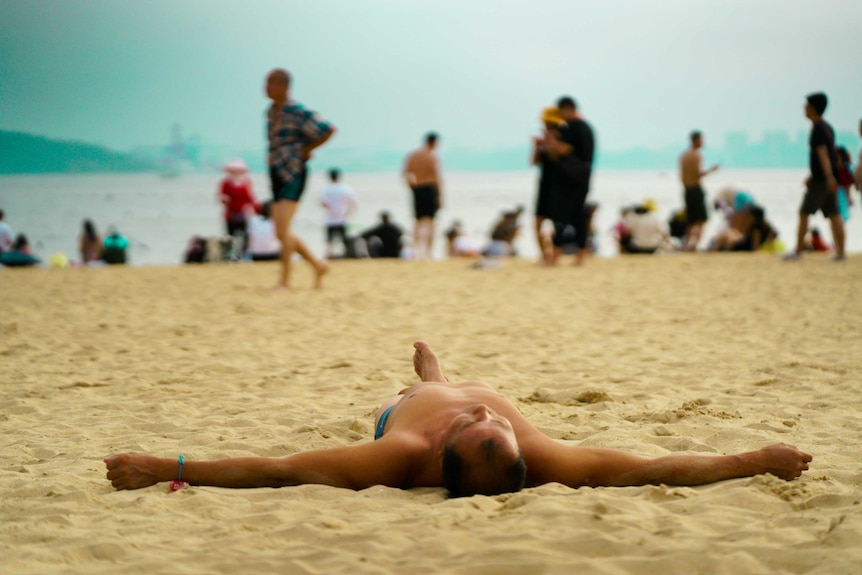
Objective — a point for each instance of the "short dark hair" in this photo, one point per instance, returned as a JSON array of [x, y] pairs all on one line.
[[458, 480], [1, 214], [818, 101], [431, 138], [20, 242], [696, 135], [281, 75], [334, 174], [567, 102], [843, 154]]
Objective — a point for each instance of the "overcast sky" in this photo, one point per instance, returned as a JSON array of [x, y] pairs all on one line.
[[645, 72]]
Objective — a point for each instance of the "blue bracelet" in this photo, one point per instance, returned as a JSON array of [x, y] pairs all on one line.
[[182, 461]]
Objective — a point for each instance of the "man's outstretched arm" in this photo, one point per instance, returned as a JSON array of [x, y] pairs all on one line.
[[782, 460], [352, 467], [579, 466]]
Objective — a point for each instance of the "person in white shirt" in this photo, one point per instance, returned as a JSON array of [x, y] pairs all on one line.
[[647, 232], [339, 201], [263, 245], [7, 236]]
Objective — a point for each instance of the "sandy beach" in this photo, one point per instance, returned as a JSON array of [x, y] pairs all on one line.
[[668, 354]]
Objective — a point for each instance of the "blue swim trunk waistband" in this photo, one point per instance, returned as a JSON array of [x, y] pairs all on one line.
[[381, 423]]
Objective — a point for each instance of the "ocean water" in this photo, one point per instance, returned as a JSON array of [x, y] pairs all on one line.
[[159, 214]]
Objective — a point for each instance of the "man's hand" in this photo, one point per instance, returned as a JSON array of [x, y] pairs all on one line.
[[134, 470], [783, 460], [831, 184]]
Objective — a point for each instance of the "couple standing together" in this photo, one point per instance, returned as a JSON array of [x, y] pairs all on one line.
[[564, 154]]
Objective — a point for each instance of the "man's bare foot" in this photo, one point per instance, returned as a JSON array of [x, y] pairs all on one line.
[[320, 270], [426, 364]]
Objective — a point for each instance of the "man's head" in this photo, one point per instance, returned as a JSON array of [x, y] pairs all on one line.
[[334, 174], [481, 454], [568, 108], [384, 217], [1, 215], [277, 84], [815, 105], [431, 140], [696, 139]]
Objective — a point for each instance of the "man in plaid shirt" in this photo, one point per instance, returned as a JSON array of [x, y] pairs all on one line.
[[293, 134]]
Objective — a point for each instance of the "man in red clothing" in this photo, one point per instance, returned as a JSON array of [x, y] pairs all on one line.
[[238, 199]]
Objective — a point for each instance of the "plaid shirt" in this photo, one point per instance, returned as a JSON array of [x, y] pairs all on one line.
[[295, 128]]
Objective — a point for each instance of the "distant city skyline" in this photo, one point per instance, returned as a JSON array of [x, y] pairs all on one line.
[[774, 149], [120, 73]]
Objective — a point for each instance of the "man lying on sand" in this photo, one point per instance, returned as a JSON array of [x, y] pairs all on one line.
[[465, 437]]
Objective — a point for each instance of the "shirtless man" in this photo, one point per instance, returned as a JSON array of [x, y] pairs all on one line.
[[422, 173], [465, 436], [695, 199]]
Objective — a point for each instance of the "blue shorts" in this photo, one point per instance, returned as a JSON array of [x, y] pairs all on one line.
[[381, 423], [291, 190]]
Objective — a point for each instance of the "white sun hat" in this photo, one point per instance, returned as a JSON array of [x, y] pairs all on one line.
[[236, 165]]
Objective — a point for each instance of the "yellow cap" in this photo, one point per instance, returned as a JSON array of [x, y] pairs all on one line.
[[551, 115]]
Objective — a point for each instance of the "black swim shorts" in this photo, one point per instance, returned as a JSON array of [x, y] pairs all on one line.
[[425, 200], [695, 205]]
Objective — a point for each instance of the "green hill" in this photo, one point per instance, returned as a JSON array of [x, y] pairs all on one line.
[[28, 154]]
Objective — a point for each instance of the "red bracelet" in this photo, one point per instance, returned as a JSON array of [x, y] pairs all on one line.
[[178, 483]]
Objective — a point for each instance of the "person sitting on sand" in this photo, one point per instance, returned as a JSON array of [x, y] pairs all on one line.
[[114, 247], [464, 436], [503, 234], [815, 242], [384, 239], [89, 243], [749, 231], [459, 244], [647, 234], [20, 254]]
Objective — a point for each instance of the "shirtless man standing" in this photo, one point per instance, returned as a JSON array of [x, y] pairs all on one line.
[[695, 199], [466, 437], [422, 173]]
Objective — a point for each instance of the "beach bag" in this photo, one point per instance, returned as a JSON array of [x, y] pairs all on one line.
[[843, 204]]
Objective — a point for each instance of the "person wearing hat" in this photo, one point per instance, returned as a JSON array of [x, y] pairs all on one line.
[[821, 186], [237, 197], [573, 154], [543, 158], [647, 233]]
